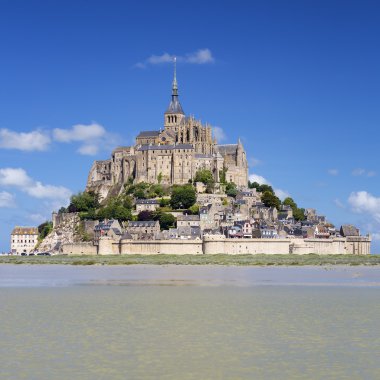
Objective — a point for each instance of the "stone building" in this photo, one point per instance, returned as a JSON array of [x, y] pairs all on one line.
[[147, 205], [23, 240], [143, 230], [171, 155]]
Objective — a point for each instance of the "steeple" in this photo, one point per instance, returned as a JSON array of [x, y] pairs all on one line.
[[175, 106]]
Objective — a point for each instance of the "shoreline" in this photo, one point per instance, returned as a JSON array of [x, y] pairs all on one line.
[[247, 260]]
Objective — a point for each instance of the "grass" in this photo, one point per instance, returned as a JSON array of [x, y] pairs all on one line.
[[236, 260]]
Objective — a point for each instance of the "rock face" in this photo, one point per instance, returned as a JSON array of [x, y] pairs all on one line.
[[66, 230]]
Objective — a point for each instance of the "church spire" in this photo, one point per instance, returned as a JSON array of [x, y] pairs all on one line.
[[175, 84], [175, 106]]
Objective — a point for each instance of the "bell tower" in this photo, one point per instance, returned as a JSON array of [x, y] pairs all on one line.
[[174, 114]]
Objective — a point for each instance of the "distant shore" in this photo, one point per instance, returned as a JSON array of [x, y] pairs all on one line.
[[218, 259]]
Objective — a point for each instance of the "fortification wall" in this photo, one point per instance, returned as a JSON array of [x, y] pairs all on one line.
[[170, 247], [319, 246], [220, 245], [108, 246], [215, 245], [358, 245], [79, 249]]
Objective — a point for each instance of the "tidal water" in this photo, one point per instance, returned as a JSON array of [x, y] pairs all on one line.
[[177, 322]]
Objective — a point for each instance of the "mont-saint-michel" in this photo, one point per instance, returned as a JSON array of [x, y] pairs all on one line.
[[178, 191]]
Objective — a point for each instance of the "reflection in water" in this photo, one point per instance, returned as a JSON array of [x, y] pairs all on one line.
[[188, 332]]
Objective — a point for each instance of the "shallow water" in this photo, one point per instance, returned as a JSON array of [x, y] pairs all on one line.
[[221, 323]]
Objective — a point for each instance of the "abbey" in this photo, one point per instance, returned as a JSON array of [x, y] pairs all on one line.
[[171, 155]]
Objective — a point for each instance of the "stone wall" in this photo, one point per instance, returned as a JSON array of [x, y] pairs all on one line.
[[215, 245], [79, 249], [222, 245], [171, 247]]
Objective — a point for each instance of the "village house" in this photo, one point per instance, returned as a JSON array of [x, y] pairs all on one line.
[[144, 230], [109, 228], [23, 240], [146, 205], [188, 220]]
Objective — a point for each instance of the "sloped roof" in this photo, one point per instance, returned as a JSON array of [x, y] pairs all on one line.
[[186, 218], [148, 134], [349, 230], [148, 223], [226, 149], [25, 231], [165, 147]]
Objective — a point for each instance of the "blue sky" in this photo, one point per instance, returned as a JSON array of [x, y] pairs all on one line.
[[297, 81]]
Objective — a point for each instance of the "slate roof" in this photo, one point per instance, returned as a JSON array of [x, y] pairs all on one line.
[[226, 149], [175, 106], [148, 134], [349, 230], [189, 231], [147, 202], [25, 231], [185, 218], [148, 223], [165, 147]]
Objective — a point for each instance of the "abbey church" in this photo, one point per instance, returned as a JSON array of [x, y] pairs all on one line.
[[170, 155]]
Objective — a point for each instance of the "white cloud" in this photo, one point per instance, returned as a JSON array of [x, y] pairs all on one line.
[[363, 172], [333, 172], [40, 191], [282, 194], [7, 200], [88, 149], [92, 136], [17, 177], [200, 57], [14, 177], [25, 141], [363, 202], [79, 132], [259, 179], [219, 134]]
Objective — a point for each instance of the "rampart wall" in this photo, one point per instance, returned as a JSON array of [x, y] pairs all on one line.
[[221, 245]]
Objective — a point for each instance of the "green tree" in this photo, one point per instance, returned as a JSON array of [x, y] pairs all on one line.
[[231, 189], [290, 202], [114, 209], [263, 188], [139, 194], [166, 220], [183, 197], [222, 175], [83, 202], [145, 215], [270, 200], [299, 214], [204, 175], [194, 209], [253, 185], [164, 202], [44, 230]]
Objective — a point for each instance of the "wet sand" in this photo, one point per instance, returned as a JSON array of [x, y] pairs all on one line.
[[183, 275]]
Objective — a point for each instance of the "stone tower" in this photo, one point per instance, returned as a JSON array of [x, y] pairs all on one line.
[[174, 114]]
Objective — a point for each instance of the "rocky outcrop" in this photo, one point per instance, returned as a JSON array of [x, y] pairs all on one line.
[[66, 230]]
